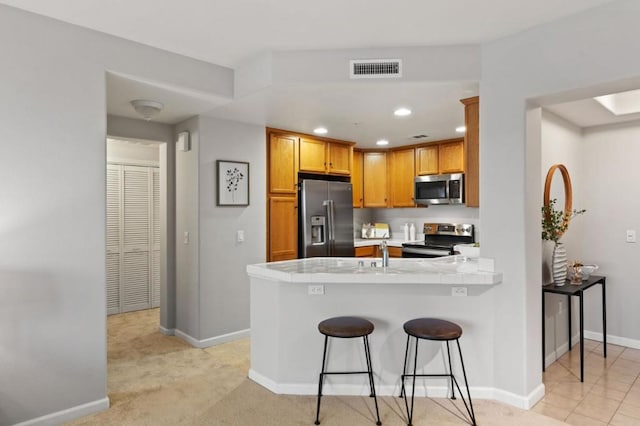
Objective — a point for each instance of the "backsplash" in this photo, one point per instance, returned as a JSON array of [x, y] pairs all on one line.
[[397, 217]]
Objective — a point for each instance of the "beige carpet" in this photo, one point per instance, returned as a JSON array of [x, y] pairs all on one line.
[[159, 380]]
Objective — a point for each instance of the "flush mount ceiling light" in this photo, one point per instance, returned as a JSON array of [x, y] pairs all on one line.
[[320, 130], [461, 129], [382, 142], [402, 112], [621, 103], [147, 109]]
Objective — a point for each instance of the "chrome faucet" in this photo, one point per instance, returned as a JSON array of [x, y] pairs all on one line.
[[385, 254]]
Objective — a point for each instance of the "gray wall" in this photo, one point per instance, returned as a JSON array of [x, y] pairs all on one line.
[[52, 219], [556, 58], [224, 284]]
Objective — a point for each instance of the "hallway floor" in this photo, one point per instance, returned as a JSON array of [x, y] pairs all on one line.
[[610, 394]]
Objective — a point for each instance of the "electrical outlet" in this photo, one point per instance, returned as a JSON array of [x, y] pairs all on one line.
[[185, 238], [458, 291], [316, 290], [631, 235]]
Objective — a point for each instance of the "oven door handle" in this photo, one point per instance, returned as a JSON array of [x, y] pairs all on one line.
[[424, 251]]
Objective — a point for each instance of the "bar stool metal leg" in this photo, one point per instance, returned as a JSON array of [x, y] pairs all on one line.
[[404, 369], [370, 371], [464, 374], [453, 392], [320, 380], [413, 388]]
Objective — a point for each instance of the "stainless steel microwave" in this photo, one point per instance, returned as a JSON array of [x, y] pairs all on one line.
[[439, 189]]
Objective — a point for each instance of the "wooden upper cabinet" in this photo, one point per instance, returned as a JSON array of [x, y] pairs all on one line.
[[374, 172], [472, 151], [340, 158], [283, 173], [427, 160], [313, 155], [356, 179], [318, 156], [401, 167], [451, 157]]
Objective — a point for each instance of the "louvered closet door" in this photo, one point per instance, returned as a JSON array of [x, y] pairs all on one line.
[[114, 210], [155, 239], [136, 259]]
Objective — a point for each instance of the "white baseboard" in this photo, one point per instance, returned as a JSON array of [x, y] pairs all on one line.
[[614, 340], [524, 402], [167, 331], [212, 341], [68, 414]]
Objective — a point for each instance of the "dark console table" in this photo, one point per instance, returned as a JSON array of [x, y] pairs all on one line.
[[576, 290]]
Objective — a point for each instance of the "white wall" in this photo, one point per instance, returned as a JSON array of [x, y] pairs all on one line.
[[555, 58], [52, 212], [611, 192]]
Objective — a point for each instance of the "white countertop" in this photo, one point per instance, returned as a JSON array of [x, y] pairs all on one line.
[[442, 270]]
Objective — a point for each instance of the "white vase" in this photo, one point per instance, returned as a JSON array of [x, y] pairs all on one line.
[[559, 264]]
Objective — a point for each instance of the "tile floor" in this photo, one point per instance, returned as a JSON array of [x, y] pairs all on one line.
[[610, 394]]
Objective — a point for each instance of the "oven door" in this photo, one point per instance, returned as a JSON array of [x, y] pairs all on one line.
[[423, 252]]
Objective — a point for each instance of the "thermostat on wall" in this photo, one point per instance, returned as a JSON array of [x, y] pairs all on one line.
[[183, 143]]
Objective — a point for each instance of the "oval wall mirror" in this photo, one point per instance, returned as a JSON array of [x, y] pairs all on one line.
[[568, 192]]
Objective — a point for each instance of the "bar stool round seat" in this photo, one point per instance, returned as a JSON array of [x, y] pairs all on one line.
[[432, 329], [345, 328], [437, 330]]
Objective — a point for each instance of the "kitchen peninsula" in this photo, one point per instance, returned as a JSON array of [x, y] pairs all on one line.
[[290, 298]]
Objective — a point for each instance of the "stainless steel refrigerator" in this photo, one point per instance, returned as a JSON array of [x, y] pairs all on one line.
[[326, 219]]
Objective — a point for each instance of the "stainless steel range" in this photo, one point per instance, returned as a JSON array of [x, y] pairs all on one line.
[[439, 240]]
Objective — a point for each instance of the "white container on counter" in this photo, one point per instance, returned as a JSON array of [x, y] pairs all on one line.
[[405, 229], [412, 232]]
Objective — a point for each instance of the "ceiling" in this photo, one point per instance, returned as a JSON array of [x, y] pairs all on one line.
[[230, 32]]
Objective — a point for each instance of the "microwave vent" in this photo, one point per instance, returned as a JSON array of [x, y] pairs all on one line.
[[375, 68]]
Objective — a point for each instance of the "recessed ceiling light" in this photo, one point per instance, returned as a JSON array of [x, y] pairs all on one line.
[[382, 142], [320, 130], [402, 112], [461, 129], [621, 103]]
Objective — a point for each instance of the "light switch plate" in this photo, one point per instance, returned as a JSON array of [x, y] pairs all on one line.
[[240, 236], [316, 289], [631, 235]]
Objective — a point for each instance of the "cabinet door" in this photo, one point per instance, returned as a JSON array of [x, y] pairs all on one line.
[[395, 251], [375, 179], [365, 251], [427, 160], [356, 179], [283, 228], [451, 157], [313, 155], [401, 166], [472, 148], [283, 173], [340, 159]]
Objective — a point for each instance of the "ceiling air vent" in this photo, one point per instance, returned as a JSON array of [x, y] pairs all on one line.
[[375, 68]]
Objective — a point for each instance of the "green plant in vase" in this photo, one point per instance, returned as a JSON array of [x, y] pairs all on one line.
[[554, 224]]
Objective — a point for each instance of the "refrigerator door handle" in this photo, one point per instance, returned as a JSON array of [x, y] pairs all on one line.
[[328, 205]]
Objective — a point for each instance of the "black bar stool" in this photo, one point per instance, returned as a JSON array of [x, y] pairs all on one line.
[[441, 330], [347, 327]]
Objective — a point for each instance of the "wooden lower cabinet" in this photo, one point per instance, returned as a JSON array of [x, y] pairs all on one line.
[[374, 251], [283, 229]]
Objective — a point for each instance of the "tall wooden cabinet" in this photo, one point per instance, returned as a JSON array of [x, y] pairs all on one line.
[[472, 150], [282, 199], [356, 179], [401, 174], [374, 174]]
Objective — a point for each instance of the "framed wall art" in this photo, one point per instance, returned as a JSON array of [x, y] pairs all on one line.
[[233, 183]]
